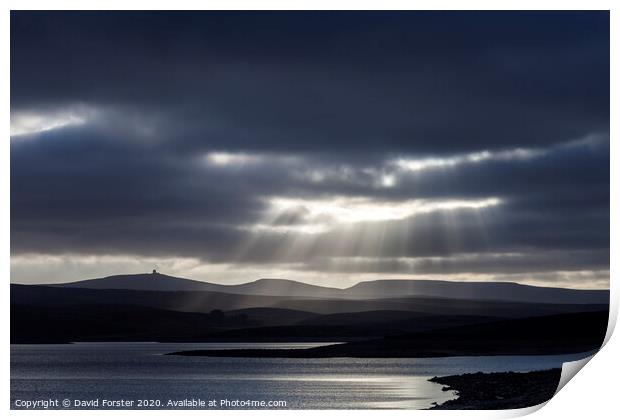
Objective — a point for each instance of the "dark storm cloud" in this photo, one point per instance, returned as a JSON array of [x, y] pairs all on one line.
[[313, 106], [423, 82]]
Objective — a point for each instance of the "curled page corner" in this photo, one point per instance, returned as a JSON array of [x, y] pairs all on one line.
[[570, 369], [520, 412], [613, 316]]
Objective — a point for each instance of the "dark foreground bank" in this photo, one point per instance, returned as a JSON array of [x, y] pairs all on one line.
[[555, 334], [499, 391]]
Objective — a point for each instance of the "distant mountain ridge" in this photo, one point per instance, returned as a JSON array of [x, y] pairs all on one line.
[[165, 283], [476, 291], [46, 314], [377, 289]]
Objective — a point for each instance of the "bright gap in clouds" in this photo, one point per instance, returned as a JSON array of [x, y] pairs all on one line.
[[231, 159], [24, 123], [319, 215], [416, 165]]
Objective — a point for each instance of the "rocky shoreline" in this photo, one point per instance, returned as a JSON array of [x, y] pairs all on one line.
[[499, 391]]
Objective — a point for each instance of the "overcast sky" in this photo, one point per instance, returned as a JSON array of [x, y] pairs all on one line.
[[323, 147]]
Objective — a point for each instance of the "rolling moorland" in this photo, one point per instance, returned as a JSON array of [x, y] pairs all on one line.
[[383, 318]]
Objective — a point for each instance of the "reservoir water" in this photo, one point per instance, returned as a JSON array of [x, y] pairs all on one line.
[[142, 371]]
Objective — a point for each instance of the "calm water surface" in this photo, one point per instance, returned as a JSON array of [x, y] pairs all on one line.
[[134, 371]]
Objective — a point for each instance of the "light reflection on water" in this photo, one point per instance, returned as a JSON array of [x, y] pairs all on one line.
[[142, 371]]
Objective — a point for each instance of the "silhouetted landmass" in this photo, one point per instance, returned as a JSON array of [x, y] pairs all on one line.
[[378, 289], [63, 314], [273, 316], [162, 282], [346, 330], [198, 302], [499, 391], [504, 291], [205, 302], [114, 323], [32, 324], [396, 319], [554, 334], [130, 323], [352, 318], [303, 333]]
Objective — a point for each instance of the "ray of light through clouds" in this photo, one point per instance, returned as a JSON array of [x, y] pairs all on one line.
[[322, 214], [335, 149]]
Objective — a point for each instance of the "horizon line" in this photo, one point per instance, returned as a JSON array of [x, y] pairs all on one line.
[[308, 284]]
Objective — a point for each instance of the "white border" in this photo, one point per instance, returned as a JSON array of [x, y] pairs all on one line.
[[591, 395]]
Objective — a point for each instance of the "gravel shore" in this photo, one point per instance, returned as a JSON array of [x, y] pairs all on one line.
[[499, 391]]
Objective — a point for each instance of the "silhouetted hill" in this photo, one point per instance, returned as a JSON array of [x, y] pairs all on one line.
[[282, 287], [378, 289], [475, 290], [156, 281], [204, 302], [273, 316], [185, 301], [436, 306], [162, 282], [76, 314], [110, 322], [114, 322]]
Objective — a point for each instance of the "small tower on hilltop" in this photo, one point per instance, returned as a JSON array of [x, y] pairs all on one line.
[[154, 272]]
